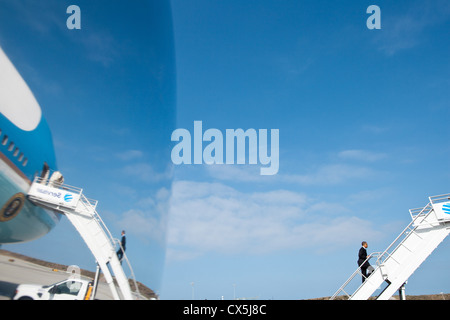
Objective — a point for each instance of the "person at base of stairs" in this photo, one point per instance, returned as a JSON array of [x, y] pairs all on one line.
[[123, 243], [362, 257]]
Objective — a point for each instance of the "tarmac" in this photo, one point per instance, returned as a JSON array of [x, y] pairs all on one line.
[[14, 271]]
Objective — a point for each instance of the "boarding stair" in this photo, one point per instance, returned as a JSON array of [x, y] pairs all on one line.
[[82, 213], [429, 226]]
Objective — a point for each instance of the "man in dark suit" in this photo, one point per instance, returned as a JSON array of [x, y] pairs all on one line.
[[123, 243], [362, 257]]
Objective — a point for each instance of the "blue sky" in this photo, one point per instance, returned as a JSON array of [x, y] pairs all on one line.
[[362, 139], [361, 115]]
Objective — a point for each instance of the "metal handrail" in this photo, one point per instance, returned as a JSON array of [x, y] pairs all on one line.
[[410, 228], [439, 198], [113, 240], [66, 187], [357, 272], [420, 211], [124, 257], [88, 208], [380, 260], [95, 214]]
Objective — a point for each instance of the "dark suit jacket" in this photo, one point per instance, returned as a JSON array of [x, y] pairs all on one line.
[[124, 242], [362, 256]]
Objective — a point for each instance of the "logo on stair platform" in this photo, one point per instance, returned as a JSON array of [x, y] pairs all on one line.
[[52, 195], [68, 197], [446, 208]]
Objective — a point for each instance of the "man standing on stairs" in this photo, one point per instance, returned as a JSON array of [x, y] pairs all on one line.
[[362, 257], [123, 243]]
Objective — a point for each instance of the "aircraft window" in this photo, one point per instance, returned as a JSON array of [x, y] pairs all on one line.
[[12, 147]]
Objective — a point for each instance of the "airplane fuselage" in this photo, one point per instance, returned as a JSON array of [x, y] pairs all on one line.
[[26, 148]]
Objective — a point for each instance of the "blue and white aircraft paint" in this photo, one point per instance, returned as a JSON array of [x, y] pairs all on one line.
[[26, 151]]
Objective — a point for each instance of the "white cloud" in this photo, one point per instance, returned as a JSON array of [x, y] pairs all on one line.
[[39, 16], [212, 217], [100, 47], [331, 175], [352, 165], [216, 217], [130, 155], [325, 174], [145, 172], [143, 224], [249, 173], [374, 129], [404, 30], [362, 155], [147, 220]]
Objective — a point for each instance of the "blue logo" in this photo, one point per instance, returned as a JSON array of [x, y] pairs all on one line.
[[446, 208], [68, 197]]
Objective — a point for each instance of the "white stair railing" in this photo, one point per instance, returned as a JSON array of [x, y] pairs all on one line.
[[428, 228], [81, 212]]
